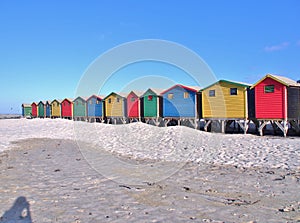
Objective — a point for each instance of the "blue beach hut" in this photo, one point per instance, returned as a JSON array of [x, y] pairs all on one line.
[[48, 109], [94, 108], [180, 103]]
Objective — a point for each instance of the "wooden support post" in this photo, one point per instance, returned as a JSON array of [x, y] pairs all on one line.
[[206, 125], [157, 122], [115, 121], [178, 122], [222, 122], [260, 128], [283, 127], [123, 120], [166, 121]]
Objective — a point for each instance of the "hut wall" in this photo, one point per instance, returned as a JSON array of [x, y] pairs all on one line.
[[251, 103], [79, 107], [133, 106], [66, 109], [151, 104], [116, 106], [270, 105], [94, 107], [177, 106], [41, 109], [55, 109], [34, 110], [223, 104], [293, 101]]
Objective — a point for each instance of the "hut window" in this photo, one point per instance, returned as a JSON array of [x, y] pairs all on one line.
[[212, 93], [118, 100], [269, 89], [170, 96], [91, 102], [132, 99], [150, 97], [109, 100], [233, 91], [76, 102], [186, 95], [98, 102]]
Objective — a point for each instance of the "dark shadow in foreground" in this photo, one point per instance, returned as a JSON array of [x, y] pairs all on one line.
[[18, 213]]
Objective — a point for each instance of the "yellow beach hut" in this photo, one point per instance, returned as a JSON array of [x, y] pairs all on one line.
[[56, 108], [226, 102], [115, 107]]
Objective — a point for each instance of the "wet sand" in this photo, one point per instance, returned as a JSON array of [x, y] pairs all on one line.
[[61, 186]]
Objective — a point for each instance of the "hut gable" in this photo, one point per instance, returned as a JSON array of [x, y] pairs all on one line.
[[115, 105], [180, 101], [94, 106], [225, 99]]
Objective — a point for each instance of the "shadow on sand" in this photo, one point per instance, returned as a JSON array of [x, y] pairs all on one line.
[[18, 213]]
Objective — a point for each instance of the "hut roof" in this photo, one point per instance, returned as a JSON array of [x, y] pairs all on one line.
[[241, 84], [283, 80], [156, 91], [26, 105], [58, 100], [83, 98], [123, 95], [99, 97], [69, 99], [189, 88], [137, 93]]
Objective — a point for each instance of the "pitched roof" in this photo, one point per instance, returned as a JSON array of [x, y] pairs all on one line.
[[122, 94], [99, 97], [241, 84], [156, 91], [58, 100], [84, 98], [189, 88], [137, 93], [283, 80], [26, 105]]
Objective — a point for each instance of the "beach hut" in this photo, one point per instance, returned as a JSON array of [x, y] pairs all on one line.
[[26, 110], [34, 109], [80, 108], [152, 105], [48, 109], [94, 108], [227, 102], [134, 106], [115, 107], [56, 108], [67, 108], [277, 100], [41, 109], [180, 103]]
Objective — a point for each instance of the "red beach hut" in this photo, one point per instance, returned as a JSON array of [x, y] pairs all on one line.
[[34, 109], [133, 105], [67, 108], [277, 100]]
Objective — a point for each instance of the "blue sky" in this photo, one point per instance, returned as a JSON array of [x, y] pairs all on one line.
[[46, 46]]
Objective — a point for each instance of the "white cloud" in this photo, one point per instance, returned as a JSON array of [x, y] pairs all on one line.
[[278, 47]]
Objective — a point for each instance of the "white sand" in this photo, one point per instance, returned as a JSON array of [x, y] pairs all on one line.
[[139, 140]]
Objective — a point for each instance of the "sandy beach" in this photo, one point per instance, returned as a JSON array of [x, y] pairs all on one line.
[[83, 172]]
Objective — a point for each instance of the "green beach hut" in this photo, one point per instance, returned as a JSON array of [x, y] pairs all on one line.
[[41, 109], [152, 105], [26, 110], [80, 108]]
